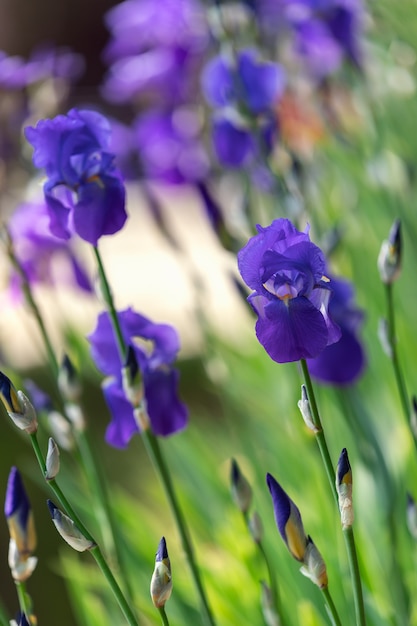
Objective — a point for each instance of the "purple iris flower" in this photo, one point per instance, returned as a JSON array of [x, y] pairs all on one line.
[[155, 48], [84, 191], [247, 86], [343, 362], [167, 414], [169, 146], [291, 292], [44, 258]]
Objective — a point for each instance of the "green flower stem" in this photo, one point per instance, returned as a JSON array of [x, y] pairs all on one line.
[[92, 470], [331, 607], [154, 451], [163, 615], [347, 534], [155, 454], [394, 354], [24, 600], [95, 550]]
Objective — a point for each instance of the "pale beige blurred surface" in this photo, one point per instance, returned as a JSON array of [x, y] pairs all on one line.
[[146, 272]]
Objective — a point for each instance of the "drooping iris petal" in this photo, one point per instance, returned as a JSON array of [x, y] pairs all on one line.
[[166, 412], [293, 331], [234, 145], [262, 82], [122, 426]]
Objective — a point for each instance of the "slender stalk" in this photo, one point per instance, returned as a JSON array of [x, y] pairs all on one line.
[[163, 615], [348, 536], [392, 337], [331, 607], [155, 454], [91, 468], [24, 602], [95, 550]]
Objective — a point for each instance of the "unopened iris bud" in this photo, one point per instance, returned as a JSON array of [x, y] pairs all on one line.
[[161, 582], [19, 514], [18, 406], [288, 519], [52, 460], [411, 516], [68, 381], [22, 620], [268, 606], [314, 567], [255, 527], [305, 409], [21, 528], [131, 379], [240, 488], [68, 530], [389, 259], [344, 489]]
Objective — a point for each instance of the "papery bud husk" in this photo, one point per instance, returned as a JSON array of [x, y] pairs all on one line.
[[131, 379], [314, 566], [21, 566], [68, 530], [344, 486], [305, 409], [384, 339], [75, 415], [52, 460], [25, 418], [411, 516]]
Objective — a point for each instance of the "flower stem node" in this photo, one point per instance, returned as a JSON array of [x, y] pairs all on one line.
[[314, 567], [240, 488], [52, 460], [305, 409], [389, 259], [18, 406], [344, 489], [161, 582], [68, 530]]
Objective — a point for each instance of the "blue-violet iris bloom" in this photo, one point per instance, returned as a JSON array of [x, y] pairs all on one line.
[[167, 414], [291, 292], [343, 362], [83, 191]]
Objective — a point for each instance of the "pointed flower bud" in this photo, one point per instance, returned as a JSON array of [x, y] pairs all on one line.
[[131, 379], [344, 489], [161, 582], [17, 405], [21, 527], [268, 606], [22, 620], [240, 488], [389, 259], [52, 460], [288, 519], [305, 409], [314, 567], [68, 530], [68, 381], [255, 527], [19, 514], [411, 516]]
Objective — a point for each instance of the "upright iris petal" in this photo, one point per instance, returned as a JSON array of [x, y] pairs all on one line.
[[291, 292], [155, 347], [83, 190]]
